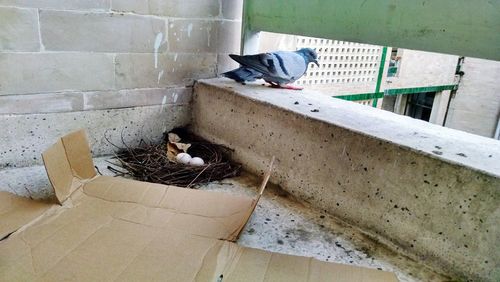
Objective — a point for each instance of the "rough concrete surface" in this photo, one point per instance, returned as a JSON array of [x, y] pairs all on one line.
[[427, 191], [26, 136], [280, 224]]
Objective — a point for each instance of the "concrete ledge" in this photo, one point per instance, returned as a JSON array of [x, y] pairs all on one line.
[[430, 192]]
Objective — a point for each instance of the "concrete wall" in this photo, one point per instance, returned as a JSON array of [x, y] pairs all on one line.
[[429, 192], [108, 66], [421, 69], [476, 106]]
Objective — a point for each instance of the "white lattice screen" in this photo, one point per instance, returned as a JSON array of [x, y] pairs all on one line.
[[340, 62]]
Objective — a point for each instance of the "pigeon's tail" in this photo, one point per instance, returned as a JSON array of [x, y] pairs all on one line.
[[243, 74]]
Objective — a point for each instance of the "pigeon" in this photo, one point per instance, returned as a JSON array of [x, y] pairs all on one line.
[[278, 68]]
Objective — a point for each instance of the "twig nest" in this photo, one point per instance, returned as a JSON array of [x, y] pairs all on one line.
[[184, 158], [196, 161]]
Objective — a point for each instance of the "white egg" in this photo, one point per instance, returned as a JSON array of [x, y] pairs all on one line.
[[196, 161], [183, 158]]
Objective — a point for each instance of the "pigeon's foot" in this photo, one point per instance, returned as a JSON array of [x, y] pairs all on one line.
[[286, 86], [291, 87]]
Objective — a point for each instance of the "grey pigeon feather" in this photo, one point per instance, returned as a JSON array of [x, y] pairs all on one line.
[[243, 74], [278, 68]]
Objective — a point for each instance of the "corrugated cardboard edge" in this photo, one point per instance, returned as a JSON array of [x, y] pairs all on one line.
[[68, 164], [262, 187]]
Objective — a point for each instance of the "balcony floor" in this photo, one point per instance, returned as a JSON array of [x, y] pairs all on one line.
[[280, 224]]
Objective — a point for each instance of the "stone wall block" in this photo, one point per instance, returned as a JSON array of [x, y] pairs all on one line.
[[41, 103], [19, 29], [59, 4], [138, 70], [169, 8], [192, 36], [22, 73], [101, 32], [136, 97]]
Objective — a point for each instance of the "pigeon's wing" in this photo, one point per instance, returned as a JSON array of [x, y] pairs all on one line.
[[284, 67], [263, 63], [243, 74]]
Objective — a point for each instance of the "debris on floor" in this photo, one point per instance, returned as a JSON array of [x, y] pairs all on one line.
[[182, 159]]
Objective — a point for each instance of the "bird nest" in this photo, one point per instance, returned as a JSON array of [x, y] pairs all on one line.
[[156, 162]]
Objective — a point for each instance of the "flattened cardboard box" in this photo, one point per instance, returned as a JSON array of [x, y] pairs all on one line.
[[115, 229]]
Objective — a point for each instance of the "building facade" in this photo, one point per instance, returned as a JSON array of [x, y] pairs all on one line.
[[447, 90]]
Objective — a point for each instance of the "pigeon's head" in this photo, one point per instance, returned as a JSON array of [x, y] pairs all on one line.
[[309, 55]]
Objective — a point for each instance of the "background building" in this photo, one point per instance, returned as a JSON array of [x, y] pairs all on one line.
[[448, 90]]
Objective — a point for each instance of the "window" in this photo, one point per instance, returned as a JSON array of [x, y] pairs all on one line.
[[394, 63], [419, 105]]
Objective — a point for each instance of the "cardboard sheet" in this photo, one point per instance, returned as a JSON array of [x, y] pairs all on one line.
[[115, 229], [17, 211]]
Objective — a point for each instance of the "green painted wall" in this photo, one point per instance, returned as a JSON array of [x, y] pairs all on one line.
[[461, 27]]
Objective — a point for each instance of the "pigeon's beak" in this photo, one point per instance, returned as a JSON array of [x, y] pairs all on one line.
[[316, 62]]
